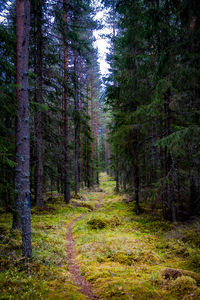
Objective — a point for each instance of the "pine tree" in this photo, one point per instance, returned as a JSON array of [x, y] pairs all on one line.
[[22, 178]]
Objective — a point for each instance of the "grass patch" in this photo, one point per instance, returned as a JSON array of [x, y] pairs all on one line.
[[46, 276], [127, 260]]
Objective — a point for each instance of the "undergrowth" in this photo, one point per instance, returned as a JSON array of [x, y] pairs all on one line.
[[123, 255], [127, 259], [46, 276]]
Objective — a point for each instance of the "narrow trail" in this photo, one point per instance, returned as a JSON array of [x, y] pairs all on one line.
[[74, 268]]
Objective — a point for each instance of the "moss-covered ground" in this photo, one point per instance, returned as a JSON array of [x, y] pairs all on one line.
[[46, 276], [123, 255]]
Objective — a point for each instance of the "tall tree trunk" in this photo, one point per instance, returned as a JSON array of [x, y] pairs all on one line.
[[97, 144], [124, 180], [193, 193], [87, 139], [66, 104], [136, 173], [154, 149], [117, 171], [76, 123], [92, 135], [137, 187], [22, 177], [81, 129], [169, 193], [106, 156], [39, 99]]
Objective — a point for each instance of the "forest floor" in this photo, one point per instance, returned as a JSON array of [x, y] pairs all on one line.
[[116, 254]]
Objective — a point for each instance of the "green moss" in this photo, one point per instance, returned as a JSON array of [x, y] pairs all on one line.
[[129, 257], [46, 275], [184, 286], [194, 257], [121, 254], [192, 235], [86, 204], [114, 221], [125, 260], [100, 223], [97, 223]]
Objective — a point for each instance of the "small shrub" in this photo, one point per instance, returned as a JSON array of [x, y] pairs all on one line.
[[194, 258], [184, 286], [192, 236], [97, 223], [77, 197], [115, 221], [156, 278], [129, 257], [85, 204]]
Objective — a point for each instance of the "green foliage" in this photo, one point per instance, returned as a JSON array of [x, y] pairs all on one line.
[[7, 113], [152, 96]]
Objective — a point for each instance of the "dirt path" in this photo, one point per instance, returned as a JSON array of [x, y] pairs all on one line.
[[74, 268]]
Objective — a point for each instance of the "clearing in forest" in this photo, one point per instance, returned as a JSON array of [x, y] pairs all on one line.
[[121, 255]]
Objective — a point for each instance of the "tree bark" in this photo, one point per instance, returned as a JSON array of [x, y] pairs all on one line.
[[106, 155], [124, 180], [67, 195], [117, 171], [137, 187], [97, 144], [76, 122], [92, 135], [39, 99], [87, 139], [22, 176], [154, 149], [81, 129]]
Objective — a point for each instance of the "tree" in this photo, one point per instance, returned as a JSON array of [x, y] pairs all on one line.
[[22, 177], [154, 102], [66, 99], [39, 170]]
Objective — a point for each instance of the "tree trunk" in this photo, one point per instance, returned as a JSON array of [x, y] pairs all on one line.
[[87, 140], [117, 172], [106, 156], [124, 180], [154, 149], [39, 99], [76, 121], [137, 186], [81, 129], [97, 144], [22, 177], [67, 195], [92, 135], [193, 193]]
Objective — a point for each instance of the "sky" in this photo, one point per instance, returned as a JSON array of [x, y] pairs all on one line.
[[102, 43], [3, 12]]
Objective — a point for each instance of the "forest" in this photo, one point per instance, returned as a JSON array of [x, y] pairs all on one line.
[[100, 170]]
